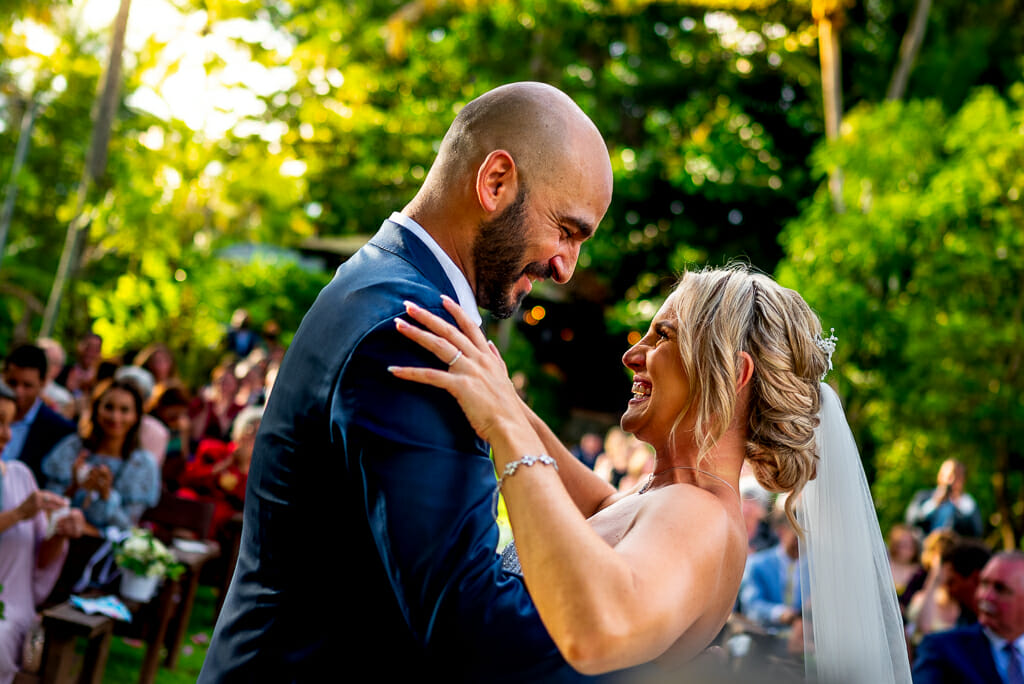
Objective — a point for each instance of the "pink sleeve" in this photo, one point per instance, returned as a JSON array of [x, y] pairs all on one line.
[[154, 438]]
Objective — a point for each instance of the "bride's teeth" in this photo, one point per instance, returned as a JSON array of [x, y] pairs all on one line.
[[641, 390]]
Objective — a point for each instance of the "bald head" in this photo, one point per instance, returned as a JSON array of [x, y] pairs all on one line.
[[537, 124]]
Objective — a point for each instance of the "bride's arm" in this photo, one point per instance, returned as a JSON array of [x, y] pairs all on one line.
[[588, 490], [605, 607]]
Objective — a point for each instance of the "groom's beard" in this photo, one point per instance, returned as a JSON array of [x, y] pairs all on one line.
[[497, 253]]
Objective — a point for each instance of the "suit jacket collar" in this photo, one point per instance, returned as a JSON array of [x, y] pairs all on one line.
[[402, 243]]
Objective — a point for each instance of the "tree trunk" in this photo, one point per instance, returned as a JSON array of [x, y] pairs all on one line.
[[1008, 460], [909, 48], [95, 166], [28, 120], [1006, 529], [829, 17]]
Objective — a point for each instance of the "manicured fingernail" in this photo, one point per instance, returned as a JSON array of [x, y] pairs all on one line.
[[446, 298], [392, 369]]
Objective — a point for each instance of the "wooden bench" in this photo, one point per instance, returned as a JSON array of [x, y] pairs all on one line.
[[64, 625]]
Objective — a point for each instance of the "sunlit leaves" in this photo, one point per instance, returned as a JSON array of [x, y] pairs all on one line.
[[925, 272]]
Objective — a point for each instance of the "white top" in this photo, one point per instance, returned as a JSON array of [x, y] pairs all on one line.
[[463, 292]]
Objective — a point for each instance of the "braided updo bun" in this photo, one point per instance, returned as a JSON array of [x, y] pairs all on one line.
[[724, 311]]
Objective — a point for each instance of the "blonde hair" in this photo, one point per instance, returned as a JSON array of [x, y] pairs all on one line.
[[721, 312]]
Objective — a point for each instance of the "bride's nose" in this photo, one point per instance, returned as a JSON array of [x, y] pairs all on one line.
[[634, 357]]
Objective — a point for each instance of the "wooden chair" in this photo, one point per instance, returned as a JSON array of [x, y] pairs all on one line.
[[175, 516]]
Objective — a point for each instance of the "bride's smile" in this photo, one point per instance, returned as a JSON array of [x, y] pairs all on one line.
[[661, 391]]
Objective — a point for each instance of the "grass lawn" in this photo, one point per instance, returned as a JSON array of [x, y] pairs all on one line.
[[125, 657]]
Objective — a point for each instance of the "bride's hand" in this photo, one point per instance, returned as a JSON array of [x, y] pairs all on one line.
[[476, 375]]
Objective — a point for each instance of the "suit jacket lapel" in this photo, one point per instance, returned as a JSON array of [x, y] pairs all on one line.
[[396, 239], [980, 653]]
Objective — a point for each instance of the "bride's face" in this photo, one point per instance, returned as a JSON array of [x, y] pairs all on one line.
[[660, 386]]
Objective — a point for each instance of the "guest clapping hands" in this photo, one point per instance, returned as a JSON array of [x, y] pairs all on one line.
[[105, 472]]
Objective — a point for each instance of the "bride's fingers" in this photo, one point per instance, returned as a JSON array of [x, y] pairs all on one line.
[[466, 324], [425, 376], [438, 326], [440, 347]]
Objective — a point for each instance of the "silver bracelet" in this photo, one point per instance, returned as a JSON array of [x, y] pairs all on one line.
[[510, 469], [528, 460]]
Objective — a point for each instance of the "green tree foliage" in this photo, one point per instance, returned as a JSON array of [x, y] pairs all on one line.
[[247, 122], [923, 279]]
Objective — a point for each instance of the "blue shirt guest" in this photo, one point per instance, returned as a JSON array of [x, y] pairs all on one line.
[[388, 472], [36, 427], [104, 472], [990, 651], [770, 590]]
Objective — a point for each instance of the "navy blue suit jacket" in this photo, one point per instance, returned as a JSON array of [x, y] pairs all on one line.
[[48, 428], [958, 656], [368, 539]]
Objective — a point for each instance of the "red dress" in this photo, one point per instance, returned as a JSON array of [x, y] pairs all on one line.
[[225, 488]]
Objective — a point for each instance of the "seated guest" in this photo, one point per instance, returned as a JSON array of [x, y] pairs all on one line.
[[170, 405], [36, 427], [56, 395], [105, 472], [220, 470], [904, 557], [153, 434], [992, 650], [80, 376], [963, 563], [770, 589], [588, 449], [948, 505], [250, 374], [755, 501], [213, 411], [948, 597], [31, 556], [159, 361], [931, 556], [639, 465], [613, 464]]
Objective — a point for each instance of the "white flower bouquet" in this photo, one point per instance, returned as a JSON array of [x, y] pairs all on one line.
[[145, 555]]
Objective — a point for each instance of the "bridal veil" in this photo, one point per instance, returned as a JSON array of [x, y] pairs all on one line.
[[853, 627]]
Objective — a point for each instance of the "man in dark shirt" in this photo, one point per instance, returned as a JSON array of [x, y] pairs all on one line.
[[37, 427]]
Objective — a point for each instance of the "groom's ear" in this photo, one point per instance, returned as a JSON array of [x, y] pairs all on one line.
[[745, 370], [497, 181]]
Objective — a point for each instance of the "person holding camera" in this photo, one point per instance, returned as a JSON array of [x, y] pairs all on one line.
[[947, 506]]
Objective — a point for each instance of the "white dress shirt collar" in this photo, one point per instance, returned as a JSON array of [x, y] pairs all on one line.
[[997, 643], [463, 292]]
